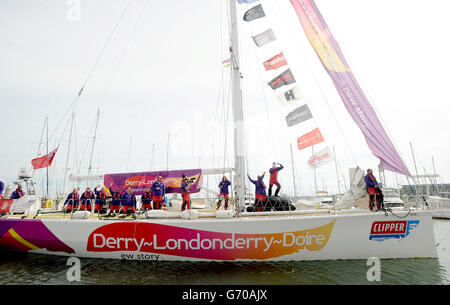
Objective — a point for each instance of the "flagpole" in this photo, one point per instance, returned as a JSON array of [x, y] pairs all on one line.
[[153, 152], [314, 167], [68, 153], [337, 173], [167, 153]]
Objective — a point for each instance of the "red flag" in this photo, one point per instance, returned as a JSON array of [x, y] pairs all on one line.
[[44, 161], [5, 205], [311, 138], [275, 62]]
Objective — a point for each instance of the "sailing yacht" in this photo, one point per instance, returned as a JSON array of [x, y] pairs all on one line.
[[341, 232]]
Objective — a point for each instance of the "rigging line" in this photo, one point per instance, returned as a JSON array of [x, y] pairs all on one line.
[[221, 80], [265, 99], [85, 146], [226, 115], [426, 173], [77, 97], [122, 55], [317, 83]]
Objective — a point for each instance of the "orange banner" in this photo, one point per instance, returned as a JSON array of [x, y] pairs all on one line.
[[308, 139]]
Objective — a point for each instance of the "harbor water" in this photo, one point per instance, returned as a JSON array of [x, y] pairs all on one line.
[[21, 268]]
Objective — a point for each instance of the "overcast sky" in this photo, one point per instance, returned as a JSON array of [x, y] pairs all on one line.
[[171, 80]]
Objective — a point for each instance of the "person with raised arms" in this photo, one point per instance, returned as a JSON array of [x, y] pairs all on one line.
[[100, 199], [260, 191], [274, 178]]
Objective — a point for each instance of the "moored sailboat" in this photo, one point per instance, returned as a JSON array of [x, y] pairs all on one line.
[[338, 233]]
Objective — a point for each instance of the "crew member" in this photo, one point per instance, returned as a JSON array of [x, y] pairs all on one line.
[[274, 178], [185, 193], [128, 201], [18, 192], [223, 186], [100, 200], [260, 192], [86, 200], [116, 199], [158, 192], [2, 188], [373, 189], [72, 201], [146, 199]]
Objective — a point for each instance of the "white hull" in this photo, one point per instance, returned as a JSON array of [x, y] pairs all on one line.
[[251, 238]]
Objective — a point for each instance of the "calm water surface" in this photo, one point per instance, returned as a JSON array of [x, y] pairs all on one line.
[[18, 268]]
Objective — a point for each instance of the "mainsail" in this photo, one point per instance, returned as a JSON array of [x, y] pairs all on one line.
[[348, 88]]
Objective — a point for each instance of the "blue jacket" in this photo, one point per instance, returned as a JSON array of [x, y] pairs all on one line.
[[116, 197], [370, 180], [223, 185], [158, 192], [184, 187], [17, 194], [260, 186], [128, 200], [100, 196], [74, 197], [2, 187], [87, 196]]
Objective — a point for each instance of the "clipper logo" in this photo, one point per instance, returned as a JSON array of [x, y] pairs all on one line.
[[382, 230]]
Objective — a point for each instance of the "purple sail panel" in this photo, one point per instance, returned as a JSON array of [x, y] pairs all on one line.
[[348, 88]]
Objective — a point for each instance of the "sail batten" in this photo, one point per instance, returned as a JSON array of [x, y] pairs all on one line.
[[355, 101]]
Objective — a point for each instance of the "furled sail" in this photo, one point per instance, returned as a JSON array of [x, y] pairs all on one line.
[[348, 88]]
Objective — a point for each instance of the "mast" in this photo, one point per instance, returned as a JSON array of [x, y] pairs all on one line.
[[68, 152], [337, 173], [153, 152], [238, 113], [293, 173], [434, 171], [129, 153], [315, 175], [40, 142], [93, 143], [167, 152], [415, 166]]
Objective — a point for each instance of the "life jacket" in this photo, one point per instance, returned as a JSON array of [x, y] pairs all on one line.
[[88, 195], [20, 193], [77, 196], [116, 195], [147, 196], [101, 195]]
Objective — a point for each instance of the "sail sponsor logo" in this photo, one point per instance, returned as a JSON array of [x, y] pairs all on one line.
[[382, 230], [177, 241]]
